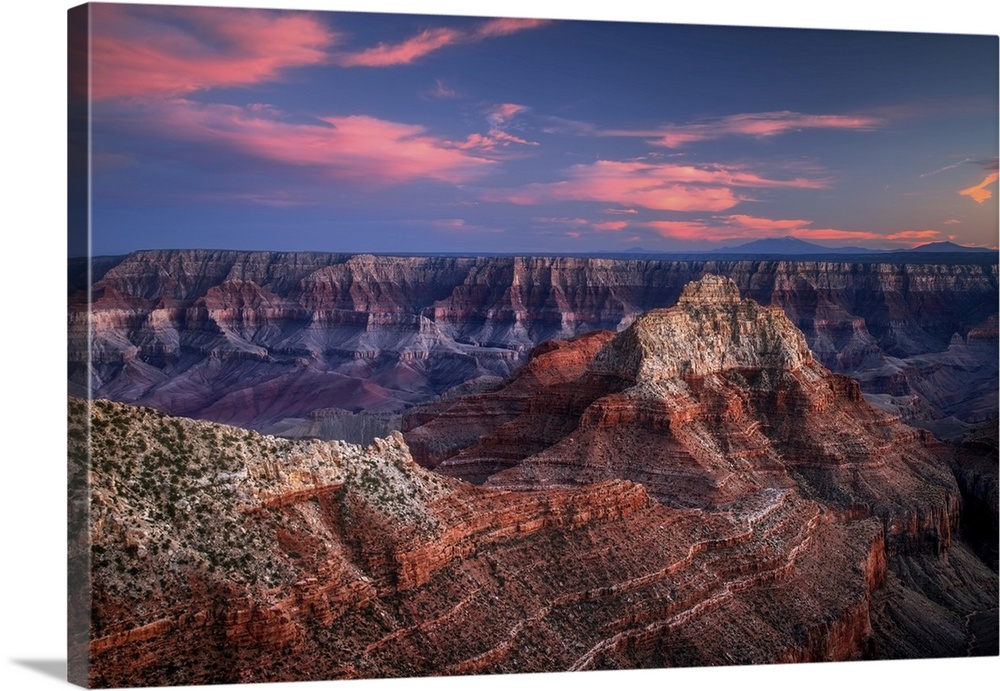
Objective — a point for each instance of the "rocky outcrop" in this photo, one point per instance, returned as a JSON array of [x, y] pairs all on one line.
[[219, 555], [254, 338], [712, 401]]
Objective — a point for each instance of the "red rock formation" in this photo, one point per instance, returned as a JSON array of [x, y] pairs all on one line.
[[314, 560], [708, 403], [221, 335], [665, 505]]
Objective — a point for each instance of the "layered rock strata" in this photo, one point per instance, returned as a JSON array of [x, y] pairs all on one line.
[[258, 338], [650, 498], [219, 555], [719, 399]]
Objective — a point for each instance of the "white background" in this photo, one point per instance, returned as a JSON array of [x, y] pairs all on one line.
[[32, 334]]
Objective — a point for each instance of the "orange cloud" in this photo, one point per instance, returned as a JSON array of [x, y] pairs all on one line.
[[431, 40], [500, 114], [740, 227], [768, 224], [352, 147], [166, 51], [611, 225], [979, 193], [663, 187], [681, 230], [758, 125]]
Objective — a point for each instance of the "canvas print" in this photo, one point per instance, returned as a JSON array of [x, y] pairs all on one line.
[[408, 345]]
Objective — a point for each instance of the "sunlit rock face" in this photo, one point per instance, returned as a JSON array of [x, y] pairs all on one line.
[[264, 339], [712, 405]]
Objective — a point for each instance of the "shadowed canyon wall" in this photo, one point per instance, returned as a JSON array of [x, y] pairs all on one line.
[[270, 340]]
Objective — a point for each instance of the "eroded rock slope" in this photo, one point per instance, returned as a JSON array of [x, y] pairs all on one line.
[[638, 510], [264, 339], [716, 400]]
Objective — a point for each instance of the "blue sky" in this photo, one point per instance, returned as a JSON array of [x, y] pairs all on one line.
[[336, 131]]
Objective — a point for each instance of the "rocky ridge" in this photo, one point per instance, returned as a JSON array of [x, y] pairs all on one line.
[[219, 555], [710, 402], [261, 339]]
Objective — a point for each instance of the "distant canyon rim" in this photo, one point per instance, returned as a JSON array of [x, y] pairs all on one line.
[[339, 345]]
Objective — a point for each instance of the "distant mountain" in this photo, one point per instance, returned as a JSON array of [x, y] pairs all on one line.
[[790, 245], [947, 247]]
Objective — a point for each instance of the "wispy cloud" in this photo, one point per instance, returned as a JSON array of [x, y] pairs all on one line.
[[756, 125], [172, 51], [356, 147], [979, 193], [385, 54], [430, 41], [662, 187], [442, 90], [741, 227], [502, 26], [577, 222], [945, 168], [498, 136]]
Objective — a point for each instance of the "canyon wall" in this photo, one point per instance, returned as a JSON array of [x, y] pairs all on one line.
[[696, 489], [220, 556], [264, 339]]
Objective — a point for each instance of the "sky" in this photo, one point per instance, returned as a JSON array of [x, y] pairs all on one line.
[[352, 132]]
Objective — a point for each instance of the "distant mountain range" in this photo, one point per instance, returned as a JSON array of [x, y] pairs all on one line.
[[790, 245], [948, 247]]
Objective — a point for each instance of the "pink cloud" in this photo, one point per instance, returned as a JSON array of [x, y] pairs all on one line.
[[979, 193], [497, 137], [442, 90], [491, 142], [663, 187], [681, 230], [431, 40], [165, 51], [758, 125], [767, 224], [352, 147], [503, 26], [576, 222], [403, 53], [746, 228], [504, 112], [562, 220]]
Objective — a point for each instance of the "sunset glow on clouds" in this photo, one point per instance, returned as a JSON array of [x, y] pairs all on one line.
[[429, 41], [663, 187], [352, 147], [173, 51], [736, 227], [758, 125], [979, 193], [366, 132]]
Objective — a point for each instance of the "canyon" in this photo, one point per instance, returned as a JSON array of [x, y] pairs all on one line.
[[693, 487], [287, 343]]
